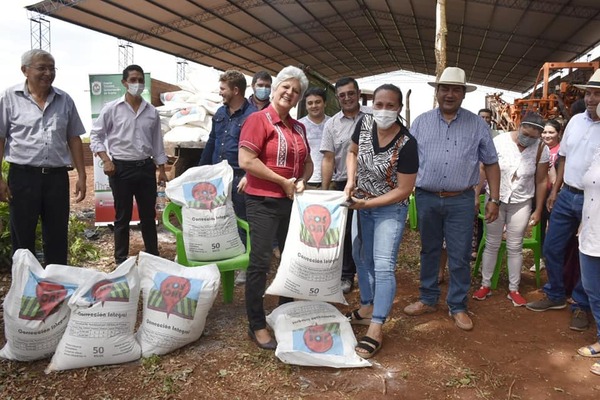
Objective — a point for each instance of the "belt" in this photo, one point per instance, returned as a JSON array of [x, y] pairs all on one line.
[[573, 189], [136, 163], [443, 193], [42, 170]]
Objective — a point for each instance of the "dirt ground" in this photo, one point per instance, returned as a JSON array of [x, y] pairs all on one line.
[[512, 353]]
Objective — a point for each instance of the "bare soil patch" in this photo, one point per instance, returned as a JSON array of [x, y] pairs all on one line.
[[512, 353]]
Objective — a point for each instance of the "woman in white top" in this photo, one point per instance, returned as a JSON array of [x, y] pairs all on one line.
[[523, 170], [589, 251]]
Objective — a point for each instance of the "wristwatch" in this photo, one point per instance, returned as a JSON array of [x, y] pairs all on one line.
[[495, 201]]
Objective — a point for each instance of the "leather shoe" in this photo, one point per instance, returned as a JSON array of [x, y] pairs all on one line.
[[270, 345], [462, 320], [419, 308]]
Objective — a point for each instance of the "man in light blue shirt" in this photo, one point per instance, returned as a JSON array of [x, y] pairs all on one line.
[[452, 142], [40, 137], [130, 127]]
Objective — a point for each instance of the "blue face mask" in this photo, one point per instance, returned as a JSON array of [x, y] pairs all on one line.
[[526, 141], [262, 93]]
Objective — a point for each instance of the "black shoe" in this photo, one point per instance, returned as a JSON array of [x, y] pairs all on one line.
[[270, 345]]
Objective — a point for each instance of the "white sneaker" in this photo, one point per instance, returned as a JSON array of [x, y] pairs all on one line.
[[542, 266], [240, 279]]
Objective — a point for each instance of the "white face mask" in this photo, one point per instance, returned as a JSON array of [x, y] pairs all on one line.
[[135, 89], [385, 118]]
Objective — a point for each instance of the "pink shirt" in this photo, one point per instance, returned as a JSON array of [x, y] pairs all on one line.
[[281, 149]]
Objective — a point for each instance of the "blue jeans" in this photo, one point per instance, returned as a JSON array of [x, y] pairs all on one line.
[[450, 218], [590, 278], [376, 236], [564, 221]]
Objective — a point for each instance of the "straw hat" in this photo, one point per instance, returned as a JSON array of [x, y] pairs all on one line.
[[593, 83], [453, 76]]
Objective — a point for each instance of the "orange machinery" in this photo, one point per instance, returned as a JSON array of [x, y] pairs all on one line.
[[550, 105]]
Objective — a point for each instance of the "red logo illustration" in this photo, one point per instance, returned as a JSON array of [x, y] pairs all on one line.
[[318, 339], [49, 296], [173, 290], [205, 193], [317, 220]]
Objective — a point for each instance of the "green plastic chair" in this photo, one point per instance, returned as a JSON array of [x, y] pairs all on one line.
[[533, 242], [227, 267], [412, 212]]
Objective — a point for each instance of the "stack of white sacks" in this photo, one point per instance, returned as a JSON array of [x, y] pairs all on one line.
[[186, 116]]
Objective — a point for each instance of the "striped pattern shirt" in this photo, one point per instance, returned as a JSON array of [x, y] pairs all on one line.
[[449, 153]]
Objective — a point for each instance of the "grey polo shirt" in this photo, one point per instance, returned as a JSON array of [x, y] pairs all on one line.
[[34, 136], [337, 135]]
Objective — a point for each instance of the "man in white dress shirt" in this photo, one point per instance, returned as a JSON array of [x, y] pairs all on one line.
[[129, 129]]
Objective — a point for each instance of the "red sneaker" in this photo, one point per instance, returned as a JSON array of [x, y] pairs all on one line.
[[516, 299], [483, 293]]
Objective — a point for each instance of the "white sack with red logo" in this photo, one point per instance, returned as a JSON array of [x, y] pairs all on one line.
[[311, 263], [315, 334], [176, 302], [103, 315], [208, 220], [35, 309]]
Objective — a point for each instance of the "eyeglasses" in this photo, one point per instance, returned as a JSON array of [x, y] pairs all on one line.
[[52, 70], [346, 94]]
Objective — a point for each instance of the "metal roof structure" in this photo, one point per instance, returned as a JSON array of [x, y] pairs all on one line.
[[499, 43]]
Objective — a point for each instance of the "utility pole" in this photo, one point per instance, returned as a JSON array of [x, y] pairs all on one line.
[[441, 31]]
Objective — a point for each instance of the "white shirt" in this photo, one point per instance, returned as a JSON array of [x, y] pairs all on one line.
[[129, 136], [589, 236], [517, 169], [314, 134], [581, 138]]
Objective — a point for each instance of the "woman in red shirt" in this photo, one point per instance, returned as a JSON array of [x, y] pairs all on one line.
[[275, 154]]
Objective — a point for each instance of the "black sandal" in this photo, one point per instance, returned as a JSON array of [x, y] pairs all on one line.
[[355, 319], [369, 344]]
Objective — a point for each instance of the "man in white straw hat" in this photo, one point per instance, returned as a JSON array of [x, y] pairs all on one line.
[[452, 143], [580, 141]]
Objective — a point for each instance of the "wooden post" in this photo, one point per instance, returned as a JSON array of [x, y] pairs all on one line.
[[441, 31]]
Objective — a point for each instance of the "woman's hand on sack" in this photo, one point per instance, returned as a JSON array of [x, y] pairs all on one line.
[[300, 185], [289, 187]]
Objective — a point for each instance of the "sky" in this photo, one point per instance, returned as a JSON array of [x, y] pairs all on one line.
[[79, 52]]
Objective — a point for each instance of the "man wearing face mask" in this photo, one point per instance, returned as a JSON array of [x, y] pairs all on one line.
[[452, 141], [261, 87], [129, 129]]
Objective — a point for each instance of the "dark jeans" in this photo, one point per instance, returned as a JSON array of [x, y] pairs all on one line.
[[348, 265], [134, 178], [36, 195], [564, 221], [269, 219], [239, 204], [449, 218]]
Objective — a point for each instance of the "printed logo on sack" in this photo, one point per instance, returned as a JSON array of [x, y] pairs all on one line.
[[205, 195], [175, 295], [109, 290], [43, 298], [322, 339], [317, 230]]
